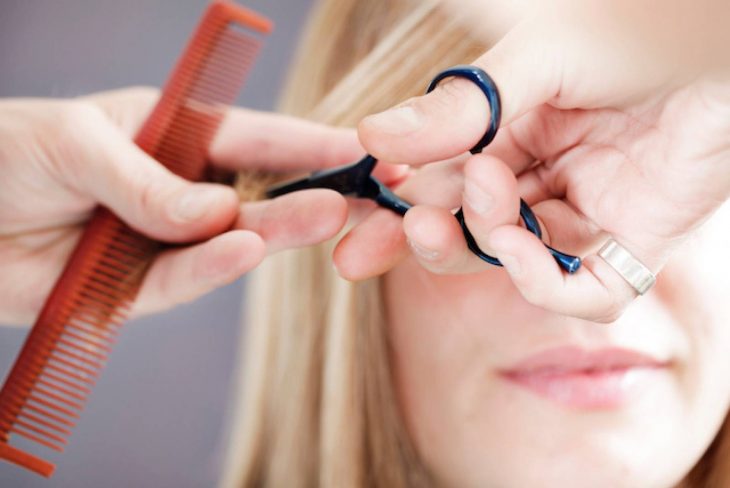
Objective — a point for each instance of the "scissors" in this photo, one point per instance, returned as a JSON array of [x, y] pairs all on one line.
[[357, 180]]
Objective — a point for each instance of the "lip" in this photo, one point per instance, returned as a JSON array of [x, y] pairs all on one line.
[[587, 379]]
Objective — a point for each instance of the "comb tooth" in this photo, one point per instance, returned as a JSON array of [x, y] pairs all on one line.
[[71, 374], [49, 415], [45, 423], [70, 384], [24, 399], [61, 389], [133, 254], [218, 68], [58, 398], [217, 88], [30, 383], [44, 354], [117, 253], [78, 357], [109, 265], [111, 269], [52, 338], [101, 336], [94, 316], [133, 240], [83, 369], [99, 281], [38, 430], [89, 298], [53, 406], [85, 300], [105, 280], [98, 296], [181, 149], [81, 322], [113, 298], [85, 349], [35, 438], [228, 39], [23, 405]]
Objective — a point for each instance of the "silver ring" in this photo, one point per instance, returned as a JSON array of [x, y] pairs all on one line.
[[631, 269]]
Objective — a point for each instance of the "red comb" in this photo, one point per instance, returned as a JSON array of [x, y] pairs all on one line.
[[68, 345]]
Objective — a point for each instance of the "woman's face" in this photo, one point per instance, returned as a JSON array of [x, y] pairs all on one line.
[[498, 393]]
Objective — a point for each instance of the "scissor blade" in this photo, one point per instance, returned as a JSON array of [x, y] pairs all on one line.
[[347, 180]]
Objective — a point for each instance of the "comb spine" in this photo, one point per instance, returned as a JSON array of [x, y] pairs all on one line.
[[69, 305]]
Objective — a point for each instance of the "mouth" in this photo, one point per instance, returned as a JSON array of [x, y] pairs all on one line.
[[577, 378]]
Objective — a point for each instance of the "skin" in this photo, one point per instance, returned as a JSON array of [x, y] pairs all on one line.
[[473, 428], [61, 158], [600, 143], [618, 130]]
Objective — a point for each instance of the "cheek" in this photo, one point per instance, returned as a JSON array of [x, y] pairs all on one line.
[[441, 352], [449, 334]]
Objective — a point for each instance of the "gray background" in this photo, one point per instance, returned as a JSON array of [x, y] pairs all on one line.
[[157, 416]]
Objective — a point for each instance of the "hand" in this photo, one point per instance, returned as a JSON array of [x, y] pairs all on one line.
[[596, 145], [59, 159]]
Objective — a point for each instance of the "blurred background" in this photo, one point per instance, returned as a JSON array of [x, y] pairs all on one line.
[[159, 413]]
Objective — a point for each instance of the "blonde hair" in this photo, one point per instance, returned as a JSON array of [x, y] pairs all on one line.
[[316, 405]]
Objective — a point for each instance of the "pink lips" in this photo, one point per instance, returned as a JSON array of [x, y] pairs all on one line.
[[577, 378]]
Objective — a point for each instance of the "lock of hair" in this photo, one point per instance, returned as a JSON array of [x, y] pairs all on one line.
[[68, 345]]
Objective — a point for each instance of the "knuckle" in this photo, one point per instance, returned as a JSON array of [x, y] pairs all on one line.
[[69, 138], [612, 312], [77, 117], [451, 94], [143, 94], [461, 96], [539, 296], [148, 196]]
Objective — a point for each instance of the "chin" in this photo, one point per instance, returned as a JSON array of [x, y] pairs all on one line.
[[519, 438]]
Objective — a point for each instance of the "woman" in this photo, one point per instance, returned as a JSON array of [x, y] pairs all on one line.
[[419, 379]]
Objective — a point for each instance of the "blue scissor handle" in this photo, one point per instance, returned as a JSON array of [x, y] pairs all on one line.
[[486, 84]]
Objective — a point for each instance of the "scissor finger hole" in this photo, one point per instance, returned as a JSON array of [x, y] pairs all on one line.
[[486, 84]]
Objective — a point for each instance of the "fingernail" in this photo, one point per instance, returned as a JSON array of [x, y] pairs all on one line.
[[398, 121], [479, 200], [423, 252], [196, 202], [511, 264]]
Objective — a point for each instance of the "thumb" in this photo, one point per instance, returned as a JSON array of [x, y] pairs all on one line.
[[112, 170], [453, 118]]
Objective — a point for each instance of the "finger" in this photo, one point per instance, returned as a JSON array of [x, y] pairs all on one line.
[[490, 197], [182, 275], [596, 292], [533, 189], [437, 241], [378, 242], [363, 253], [564, 228], [454, 117], [391, 174], [128, 108], [107, 166], [295, 220], [273, 142], [247, 139]]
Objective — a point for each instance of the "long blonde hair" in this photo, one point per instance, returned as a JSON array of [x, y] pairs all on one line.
[[316, 405]]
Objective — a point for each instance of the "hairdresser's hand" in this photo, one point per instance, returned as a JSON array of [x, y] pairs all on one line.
[[599, 135], [59, 159]]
